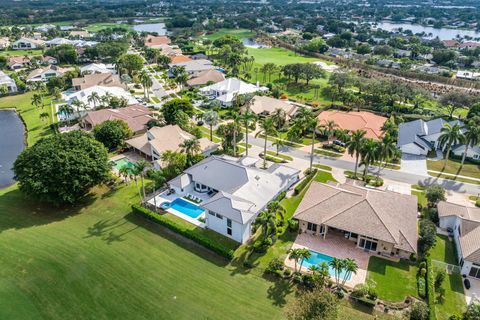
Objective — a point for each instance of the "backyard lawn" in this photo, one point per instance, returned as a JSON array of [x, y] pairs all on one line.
[[453, 167], [395, 280], [22, 53], [454, 301]]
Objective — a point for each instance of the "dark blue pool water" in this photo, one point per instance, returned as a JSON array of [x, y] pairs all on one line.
[[11, 144]]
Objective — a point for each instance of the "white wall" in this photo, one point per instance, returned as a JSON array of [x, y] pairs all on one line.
[[240, 233]]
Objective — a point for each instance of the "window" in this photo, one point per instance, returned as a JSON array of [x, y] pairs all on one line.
[[229, 227], [322, 229], [211, 213], [474, 272], [368, 244], [219, 216], [312, 227]]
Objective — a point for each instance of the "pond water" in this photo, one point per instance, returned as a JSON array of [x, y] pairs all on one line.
[[252, 43], [11, 144], [441, 33], [151, 27]]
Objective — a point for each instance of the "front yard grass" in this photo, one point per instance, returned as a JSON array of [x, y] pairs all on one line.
[[395, 280], [422, 199], [453, 167], [454, 299]]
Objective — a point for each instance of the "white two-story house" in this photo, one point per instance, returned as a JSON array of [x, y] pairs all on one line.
[[238, 191]]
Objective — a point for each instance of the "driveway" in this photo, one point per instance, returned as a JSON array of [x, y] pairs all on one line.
[[474, 292], [414, 164]]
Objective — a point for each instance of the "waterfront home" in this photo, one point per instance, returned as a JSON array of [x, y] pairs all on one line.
[[205, 78], [235, 191], [45, 73], [156, 42], [226, 90], [18, 62], [27, 43], [193, 67], [6, 81]]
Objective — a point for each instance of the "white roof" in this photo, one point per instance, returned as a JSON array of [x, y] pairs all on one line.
[[101, 91], [227, 89], [5, 79], [95, 68]]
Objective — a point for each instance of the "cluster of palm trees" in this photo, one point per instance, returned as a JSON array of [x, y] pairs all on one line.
[[343, 268], [269, 220], [133, 173], [450, 135]]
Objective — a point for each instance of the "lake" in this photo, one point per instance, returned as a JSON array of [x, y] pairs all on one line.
[[441, 33], [252, 43], [151, 27], [12, 142]]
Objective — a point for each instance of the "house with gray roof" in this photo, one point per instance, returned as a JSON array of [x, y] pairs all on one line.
[[238, 191], [418, 137], [381, 222], [6, 81], [464, 223]]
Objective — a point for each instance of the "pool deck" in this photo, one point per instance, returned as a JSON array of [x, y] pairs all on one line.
[[334, 245], [163, 197]]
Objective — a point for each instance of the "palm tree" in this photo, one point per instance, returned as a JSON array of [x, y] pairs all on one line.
[[387, 150], [471, 137], [279, 117], [66, 110], [354, 146], [37, 99], [278, 143], [294, 254], [146, 83], [350, 267], [267, 128], [79, 105], [329, 129], [369, 154], [236, 118], [44, 116], [267, 221], [275, 207], [304, 253], [139, 169], [211, 118], [124, 172], [338, 266], [248, 118], [190, 147], [93, 98], [450, 135]]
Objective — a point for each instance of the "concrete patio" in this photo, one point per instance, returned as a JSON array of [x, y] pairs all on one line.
[[335, 245], [474, 292]]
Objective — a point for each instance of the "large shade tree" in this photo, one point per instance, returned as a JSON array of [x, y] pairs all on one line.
[[112, 133], [61, 169]]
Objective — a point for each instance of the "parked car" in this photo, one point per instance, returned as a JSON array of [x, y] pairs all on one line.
[[339, 143]]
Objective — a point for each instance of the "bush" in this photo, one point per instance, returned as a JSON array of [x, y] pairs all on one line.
[[430, 289], [419, 311], [281, 196], [367, 302], [334, 147], [274, 265], [299, 187], [440, 276], [421, 287], [360, 290], [201, 239], [293, 225], [477, 203]]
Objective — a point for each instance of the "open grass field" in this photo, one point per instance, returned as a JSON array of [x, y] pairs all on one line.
[[30, 114], [454, 301], [104, 25], [279, 56], [453, 166], [395, 280], [22, 53], [238, 33]]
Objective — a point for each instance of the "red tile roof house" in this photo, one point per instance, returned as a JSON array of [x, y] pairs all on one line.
[[450, 43], [18, 62], [136, 116], [156, 42], [353, 121]]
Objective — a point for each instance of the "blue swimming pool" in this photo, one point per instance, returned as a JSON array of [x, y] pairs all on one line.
[[187, 208], [318, 258]]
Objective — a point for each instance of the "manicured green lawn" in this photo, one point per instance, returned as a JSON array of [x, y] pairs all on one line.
[[453, 167], [37, 128], [324, 177], [238, 33], [454, 301], [279, 56], [395, 280], [104, 25], [22, 53], [422, 199]]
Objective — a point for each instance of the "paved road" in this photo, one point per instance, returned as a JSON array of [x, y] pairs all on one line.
[[396, 175]]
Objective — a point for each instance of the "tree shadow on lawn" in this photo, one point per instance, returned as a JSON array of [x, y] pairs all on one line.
[[177, 239], [18, 211], [104, 229], [279, 290]]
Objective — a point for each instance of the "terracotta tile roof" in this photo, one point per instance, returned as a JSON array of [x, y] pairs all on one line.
[[384, 215], [450, 43], [206, 76], [136, 116], [152, 41], [179, 58], [18, 59], [353, 120]]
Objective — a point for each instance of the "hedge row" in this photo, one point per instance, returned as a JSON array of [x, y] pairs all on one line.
[[299, 187], [199, 238], [430, 289]]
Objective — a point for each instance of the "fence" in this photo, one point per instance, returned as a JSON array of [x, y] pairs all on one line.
[[449, 268]]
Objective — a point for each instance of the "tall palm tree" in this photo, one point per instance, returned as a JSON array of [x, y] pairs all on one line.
[[146, 83], [267, 221], [211, 119], [139, 168], [304, 253], [471, 137], [191, 147], [387, 150], [278, 143], [66, 110], [329, 129], [236, 118], [294, 254], [248, 118], [449, 135], [337, 266], [279, 118], [350, 266], [93, 98], [267, 128], [369, 154], [124, 172], [37, 99], [354, 146]]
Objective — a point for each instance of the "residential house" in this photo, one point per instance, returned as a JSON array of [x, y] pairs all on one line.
[[469, 45], [205, 78], [98, 79], [4, 43], [239, 191], [418, 137], [76, 43], [473, 152], [80, 34], [383, 222], [263, 105], [193, 67], [97, 68], [157, 140], [226, 90], [45, 73], [155, 42], [174, 59], [18, 62], [45, 28], [464, 223], [6, 81], [451, 43], [136, 116], [27, 43], [468, 75], [47, 60], [353, 120]]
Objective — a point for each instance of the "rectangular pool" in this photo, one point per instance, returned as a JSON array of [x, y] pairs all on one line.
[[187, 208], [318, 258], [123, 162]]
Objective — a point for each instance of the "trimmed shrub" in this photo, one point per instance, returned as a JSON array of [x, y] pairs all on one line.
[[299, 187], [293, 225], [430, 289], [477, 203], [274, 266], [199, 238], [421, 287]]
